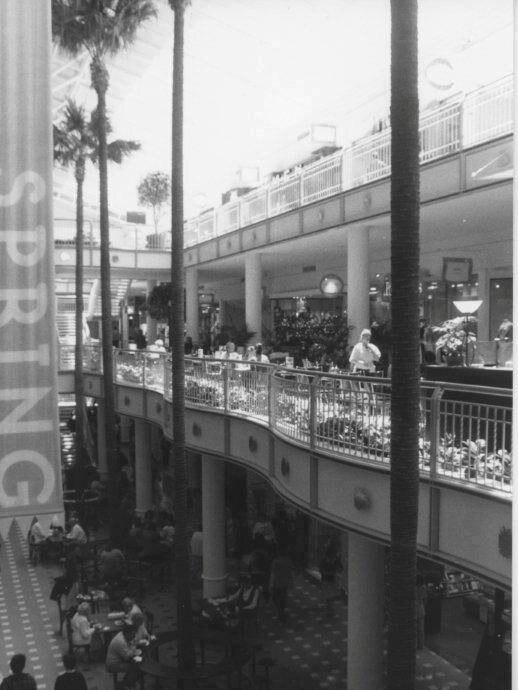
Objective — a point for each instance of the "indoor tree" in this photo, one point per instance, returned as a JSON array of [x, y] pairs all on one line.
[[154, 191], [404, 453], [76, 143], [186, 655], [102, 28]]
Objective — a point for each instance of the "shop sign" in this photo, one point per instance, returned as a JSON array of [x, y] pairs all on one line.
[[30, 476]]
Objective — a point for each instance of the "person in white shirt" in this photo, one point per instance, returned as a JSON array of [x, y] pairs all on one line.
[[364, 355], [231, 351], [82, 630], [260, 357], [77, 533], [36, 533]]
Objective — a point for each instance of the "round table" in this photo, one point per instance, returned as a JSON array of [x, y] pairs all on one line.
[[231, 662]]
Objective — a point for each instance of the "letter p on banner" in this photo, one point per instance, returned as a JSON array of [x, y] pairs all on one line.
[[30, 464]]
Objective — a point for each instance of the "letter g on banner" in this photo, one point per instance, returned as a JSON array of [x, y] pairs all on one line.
[[22, 498]]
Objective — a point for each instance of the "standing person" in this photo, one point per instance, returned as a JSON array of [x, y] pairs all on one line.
[[77, 533], [281, 579], [364, 355], [18, 680], [260, 356], [71, 678], [82, 629], [330, 566]]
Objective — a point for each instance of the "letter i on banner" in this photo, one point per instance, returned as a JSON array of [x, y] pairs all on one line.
[[30, 464]]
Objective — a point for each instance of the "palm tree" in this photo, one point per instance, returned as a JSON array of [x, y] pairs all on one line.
[[103, 28], [186, 655], [75, 143], [404, 478]]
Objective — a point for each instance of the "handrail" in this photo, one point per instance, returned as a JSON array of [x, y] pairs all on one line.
[[340, 414], [479, 116]]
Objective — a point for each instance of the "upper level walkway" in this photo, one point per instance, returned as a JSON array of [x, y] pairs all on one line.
[[459, 125], [323, 441]]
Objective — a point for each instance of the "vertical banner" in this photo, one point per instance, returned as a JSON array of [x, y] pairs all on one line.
[[30, 474]]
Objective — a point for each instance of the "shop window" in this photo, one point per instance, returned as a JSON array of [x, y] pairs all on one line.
[[500, 303]]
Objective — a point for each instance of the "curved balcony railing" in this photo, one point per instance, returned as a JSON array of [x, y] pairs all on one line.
[[344, 415], [480, 116]]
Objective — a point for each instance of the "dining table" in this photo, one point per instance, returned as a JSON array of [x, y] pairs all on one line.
[[233, 658]]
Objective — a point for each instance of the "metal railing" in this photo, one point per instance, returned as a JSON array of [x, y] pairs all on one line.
[[343, 415], [473, 119]]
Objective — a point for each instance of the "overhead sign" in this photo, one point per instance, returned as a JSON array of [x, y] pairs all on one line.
[[30, 467]]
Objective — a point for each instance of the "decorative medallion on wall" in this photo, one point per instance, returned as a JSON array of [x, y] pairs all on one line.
[[196, 429], [254, 236], [285, 467], [189, 256], [505, 542], [115, 259], [321, 214], [90, 385], [229, 244], [252, 444], [158, 408], [362, 499], [127, 401], [367, 201]]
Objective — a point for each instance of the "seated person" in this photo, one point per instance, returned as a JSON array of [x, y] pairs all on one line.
[[264, 527], [141, 632], [77, 533], [167, 533], [260, 357], [120, 655], [245, 598], [112, 563], [154, 550], [130, 609], [82, 630], [36, 533], [221, 612], [231, 351]]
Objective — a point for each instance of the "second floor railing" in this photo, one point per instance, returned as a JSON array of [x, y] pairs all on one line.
[[465, 431], [479, 116]]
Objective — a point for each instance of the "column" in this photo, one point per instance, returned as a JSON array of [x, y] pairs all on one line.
[[192, 304], [483, 312], [102, 460], [150, 323], [253, 295], [365, 574], [143, 468], [124, 324], [358, 280], [213, 518]]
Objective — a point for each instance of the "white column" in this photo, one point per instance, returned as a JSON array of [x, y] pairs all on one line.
[[213, 519], [253, 295], [102, 460], [192, 304], [150, 323], [483, 312], [143, 474], [365, 575], [358, 280]]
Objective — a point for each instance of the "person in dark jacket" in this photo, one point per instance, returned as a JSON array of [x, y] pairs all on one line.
[[71, 678], [281, 579]]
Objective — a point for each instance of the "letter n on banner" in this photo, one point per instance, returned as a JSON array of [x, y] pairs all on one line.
[[30, 465]]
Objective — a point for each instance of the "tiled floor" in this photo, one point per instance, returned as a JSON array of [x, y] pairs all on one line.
[[309, 650]]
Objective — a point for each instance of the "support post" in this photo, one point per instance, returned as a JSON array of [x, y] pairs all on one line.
[[213, 518]]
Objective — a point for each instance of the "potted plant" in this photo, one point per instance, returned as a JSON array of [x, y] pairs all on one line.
[[455, 336]]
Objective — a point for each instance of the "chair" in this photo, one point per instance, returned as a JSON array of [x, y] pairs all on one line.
[[266, 663]]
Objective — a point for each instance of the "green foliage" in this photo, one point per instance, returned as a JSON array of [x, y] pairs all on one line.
[[154, 191], [159, 302], [93, 24], [317, 338], [76, 138]]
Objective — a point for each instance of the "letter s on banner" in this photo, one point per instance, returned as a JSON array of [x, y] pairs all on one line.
[[18, 189], [22, 498]]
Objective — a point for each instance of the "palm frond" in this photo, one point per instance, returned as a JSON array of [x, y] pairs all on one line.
[[120, 149], [88, 24]]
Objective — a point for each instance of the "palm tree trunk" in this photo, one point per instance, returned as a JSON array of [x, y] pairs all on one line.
[[186, 655], [100, 84], [78, 371], [404, 478]]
